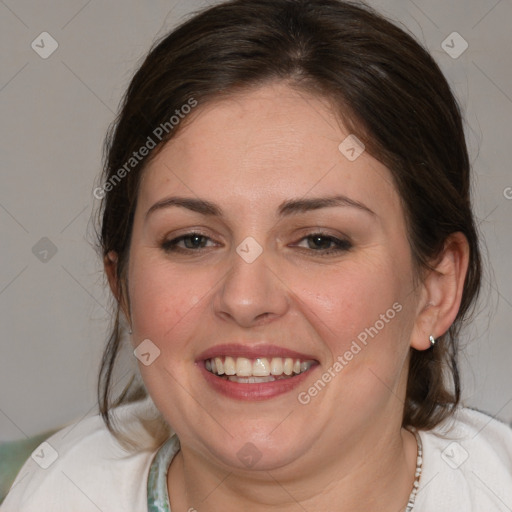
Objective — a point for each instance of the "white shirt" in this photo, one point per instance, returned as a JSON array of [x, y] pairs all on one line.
[[467, 467]]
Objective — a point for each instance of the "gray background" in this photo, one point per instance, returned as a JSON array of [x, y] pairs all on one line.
[[54, 114]]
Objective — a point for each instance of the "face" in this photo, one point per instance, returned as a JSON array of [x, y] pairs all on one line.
[[262, 250]]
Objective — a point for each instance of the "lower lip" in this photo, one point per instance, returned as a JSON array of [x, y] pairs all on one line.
[[261, 391]]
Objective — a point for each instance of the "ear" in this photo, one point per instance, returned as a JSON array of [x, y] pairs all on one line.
[[441, 292], [110, 265]]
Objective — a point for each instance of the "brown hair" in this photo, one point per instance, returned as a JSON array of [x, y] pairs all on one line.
[[384, 85]]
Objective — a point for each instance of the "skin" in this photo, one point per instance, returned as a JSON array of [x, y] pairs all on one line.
[[248, 154]]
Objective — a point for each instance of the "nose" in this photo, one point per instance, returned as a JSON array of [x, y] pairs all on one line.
[[251, 294]]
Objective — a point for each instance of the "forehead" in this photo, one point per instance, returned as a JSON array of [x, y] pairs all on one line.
[[266, 144]]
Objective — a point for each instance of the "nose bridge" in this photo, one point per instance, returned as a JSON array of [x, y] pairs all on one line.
[[250, 291]]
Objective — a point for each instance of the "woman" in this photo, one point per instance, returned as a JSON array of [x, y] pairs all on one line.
[[287, 232]]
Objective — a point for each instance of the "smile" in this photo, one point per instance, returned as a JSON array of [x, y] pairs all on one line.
[[254, 372]]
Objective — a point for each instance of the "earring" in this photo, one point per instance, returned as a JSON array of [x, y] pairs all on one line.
[[130, 330], [432, 341]]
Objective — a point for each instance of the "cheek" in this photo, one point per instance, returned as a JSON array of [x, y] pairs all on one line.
[[356, 302], [164, 299]]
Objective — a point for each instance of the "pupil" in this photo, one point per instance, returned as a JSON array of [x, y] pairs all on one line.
[[321, 242], [194, 241]]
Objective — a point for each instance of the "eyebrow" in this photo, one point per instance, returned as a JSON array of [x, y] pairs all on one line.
[[289, 207], [196, 205], [294, 206]]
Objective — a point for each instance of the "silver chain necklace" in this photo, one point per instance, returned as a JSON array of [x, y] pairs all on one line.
[[417, 474]]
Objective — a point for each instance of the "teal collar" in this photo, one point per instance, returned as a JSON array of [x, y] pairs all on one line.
[[158, 497]]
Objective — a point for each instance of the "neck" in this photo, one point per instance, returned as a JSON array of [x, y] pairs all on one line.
[[374, 472]]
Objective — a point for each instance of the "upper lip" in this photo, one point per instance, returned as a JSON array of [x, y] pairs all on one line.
[[252, 352]]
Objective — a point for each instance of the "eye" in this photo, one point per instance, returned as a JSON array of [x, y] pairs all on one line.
[[188, 242], [324, 244]]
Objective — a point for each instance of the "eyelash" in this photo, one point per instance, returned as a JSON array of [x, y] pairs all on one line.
[[341, 245], [172, 245]]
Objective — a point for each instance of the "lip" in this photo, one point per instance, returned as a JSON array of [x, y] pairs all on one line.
[[256, 392], [252, 352], [253, 392]]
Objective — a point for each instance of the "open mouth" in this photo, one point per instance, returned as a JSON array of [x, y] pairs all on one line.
[[258, 370]]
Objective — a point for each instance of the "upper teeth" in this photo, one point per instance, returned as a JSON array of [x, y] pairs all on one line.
[[259, 367]]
